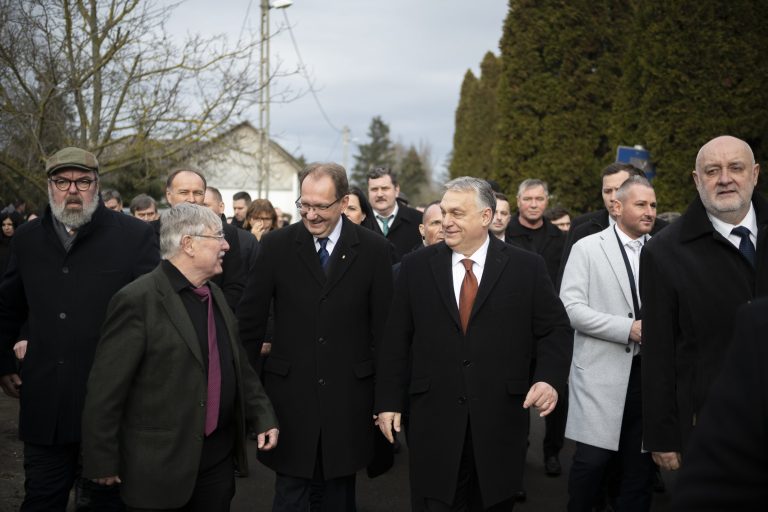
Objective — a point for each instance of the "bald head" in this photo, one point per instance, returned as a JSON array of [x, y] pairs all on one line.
[[725, 177], [721, 143]]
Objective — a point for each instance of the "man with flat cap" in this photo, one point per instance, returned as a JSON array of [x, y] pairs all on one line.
[[62, 272]]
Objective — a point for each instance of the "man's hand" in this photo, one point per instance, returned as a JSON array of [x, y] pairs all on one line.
[[387, 421], [108, 480], [667, 460], [543, 397], [267, 440], [11, 384], [20, 349], [636, 332]]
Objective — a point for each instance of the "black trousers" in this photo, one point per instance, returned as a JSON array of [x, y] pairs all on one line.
[[554, 425], [50, 472], [213, 492], [467, 498], [590, 462], [316, 494]]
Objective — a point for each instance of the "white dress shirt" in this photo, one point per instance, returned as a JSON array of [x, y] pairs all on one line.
[[749, 221], [478, 263], [333, 239]]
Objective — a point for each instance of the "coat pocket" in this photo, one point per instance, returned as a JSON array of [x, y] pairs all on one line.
[[419, 386]]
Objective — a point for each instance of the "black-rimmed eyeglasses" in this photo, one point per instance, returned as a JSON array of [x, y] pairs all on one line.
[[63, 184], [306, 208]]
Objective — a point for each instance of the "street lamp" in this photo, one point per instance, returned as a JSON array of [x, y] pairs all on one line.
[[264, 164]]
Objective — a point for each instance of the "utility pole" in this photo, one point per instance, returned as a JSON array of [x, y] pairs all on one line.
[[264, 103], [345, 146]]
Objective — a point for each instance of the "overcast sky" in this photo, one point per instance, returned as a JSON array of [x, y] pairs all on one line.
[[403, 60]]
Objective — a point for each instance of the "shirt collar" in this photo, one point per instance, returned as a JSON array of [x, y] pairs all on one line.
[[478, 257], [391, 215], [749, 221], [626, 239], [333, 237]]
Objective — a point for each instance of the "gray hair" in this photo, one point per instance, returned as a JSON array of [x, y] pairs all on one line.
[[481, 188], [530, 183], [632, 181], [184, 219]]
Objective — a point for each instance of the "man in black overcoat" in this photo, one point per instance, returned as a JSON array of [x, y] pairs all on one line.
[[726, 460], [694, 275], [331, 283], [465, 362], [64, 269], [397, 222]]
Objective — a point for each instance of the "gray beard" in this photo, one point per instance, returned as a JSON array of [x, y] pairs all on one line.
[[73, 218]]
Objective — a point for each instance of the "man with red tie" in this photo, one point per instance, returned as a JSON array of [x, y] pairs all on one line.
[[468, 315]]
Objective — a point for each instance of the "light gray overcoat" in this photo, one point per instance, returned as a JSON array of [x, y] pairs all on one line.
[[598, 299]]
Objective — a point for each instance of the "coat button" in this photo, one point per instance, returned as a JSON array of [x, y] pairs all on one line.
[[629, 315], [627, 350], [321, 340], [62, 315], [65, 270], [461, 400], [202, 403], [467, 362], [321, 382]]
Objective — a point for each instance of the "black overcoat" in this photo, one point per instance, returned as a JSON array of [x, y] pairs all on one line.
[[404, 232], [62, 297], [692, 281], [319, 375], [481, 377]]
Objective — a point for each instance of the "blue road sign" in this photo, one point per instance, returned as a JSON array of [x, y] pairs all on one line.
[[637, 156]]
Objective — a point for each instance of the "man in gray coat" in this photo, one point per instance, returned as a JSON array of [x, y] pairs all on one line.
[[600, 294]]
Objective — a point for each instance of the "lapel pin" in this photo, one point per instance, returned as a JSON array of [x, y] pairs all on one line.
[[343, 256]]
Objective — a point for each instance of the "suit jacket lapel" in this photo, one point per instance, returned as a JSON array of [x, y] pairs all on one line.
[[495, 261], [343, 254], [305, 247], [616, 261], [177, 314], [441, 270]]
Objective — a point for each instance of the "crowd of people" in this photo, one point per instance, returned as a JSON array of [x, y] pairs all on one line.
[[141, 372]]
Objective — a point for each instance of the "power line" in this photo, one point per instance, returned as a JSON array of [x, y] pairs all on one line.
[[303, 71]]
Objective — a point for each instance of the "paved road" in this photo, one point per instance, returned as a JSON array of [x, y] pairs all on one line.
[[387, 493]]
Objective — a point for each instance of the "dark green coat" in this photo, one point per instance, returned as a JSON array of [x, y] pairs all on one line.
[[144, 414]]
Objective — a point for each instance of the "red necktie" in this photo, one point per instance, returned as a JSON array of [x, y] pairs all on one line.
[[214, 365], [467, 294]]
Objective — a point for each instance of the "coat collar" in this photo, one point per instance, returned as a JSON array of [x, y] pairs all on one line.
[[696, 224], [344, 253], [610, 247], [177, 313], [495, 261]]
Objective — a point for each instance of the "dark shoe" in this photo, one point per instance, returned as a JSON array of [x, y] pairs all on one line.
[[552, 465], [519, 496]]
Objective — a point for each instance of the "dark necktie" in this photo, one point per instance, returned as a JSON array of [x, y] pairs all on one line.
[[467, 294], [384, 224], [745, 246], [323, 252], [214, 365]]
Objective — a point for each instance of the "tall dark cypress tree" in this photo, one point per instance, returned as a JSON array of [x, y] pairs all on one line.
[[474, 134], [560, 67], [696, 70], [378, 152]]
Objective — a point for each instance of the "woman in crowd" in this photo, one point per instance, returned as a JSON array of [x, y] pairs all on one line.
[[359, 210], [260, 218], [9, 225]]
